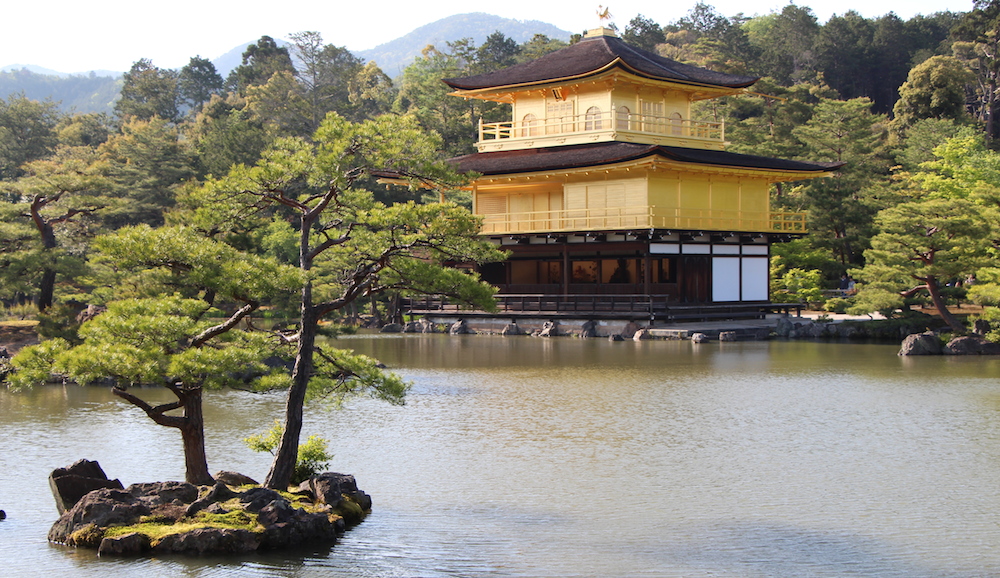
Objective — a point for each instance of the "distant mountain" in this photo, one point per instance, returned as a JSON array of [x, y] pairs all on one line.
[[230, 60], [50, 72], [74, 93], [392, 57]]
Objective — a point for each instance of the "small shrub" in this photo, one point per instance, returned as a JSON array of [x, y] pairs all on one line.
[[837, 305], [985, 294], [312, 459], [873, 298]]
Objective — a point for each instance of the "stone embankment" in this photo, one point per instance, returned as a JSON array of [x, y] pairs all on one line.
[[784, 327], [235, 515]]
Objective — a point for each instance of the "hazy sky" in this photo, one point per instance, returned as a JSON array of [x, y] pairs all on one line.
[[112, 34]]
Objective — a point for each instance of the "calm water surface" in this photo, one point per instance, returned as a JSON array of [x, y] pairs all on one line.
[[567, 457]]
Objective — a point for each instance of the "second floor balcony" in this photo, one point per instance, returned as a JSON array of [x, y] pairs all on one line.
[[533, 132], [648, 217]]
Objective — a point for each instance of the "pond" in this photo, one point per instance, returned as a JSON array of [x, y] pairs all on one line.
[[568, 457]]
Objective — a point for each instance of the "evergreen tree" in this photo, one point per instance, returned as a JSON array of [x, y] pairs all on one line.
[[260, 61], [350, 246], [147, 92], [198, 81]]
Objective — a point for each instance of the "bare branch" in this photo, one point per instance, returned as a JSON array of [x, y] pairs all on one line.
[[226, 325], [155, 413]]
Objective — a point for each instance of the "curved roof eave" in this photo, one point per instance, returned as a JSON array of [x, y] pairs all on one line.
[[594, 54], [602, 154], [616, 63]]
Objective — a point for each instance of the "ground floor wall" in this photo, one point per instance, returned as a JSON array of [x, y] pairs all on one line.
[[687, 268]]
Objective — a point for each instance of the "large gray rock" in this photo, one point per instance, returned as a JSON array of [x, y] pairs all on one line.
[[102, 507], [629, 330], [126, 545], [460, 327], [330, 488], [817, 330], [589, 329], [971, 345], [699, 338], [549, 329], [340, 491], [257, 498], [220, 492], [921, 344], [159, 493], [209, 540], [235, 479], [784, 327], [286, 526], [70, 484], [420, 326], [512, 328], [391, 328]]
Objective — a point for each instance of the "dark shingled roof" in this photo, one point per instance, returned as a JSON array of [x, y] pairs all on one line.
[[597, 154], [592, 54]]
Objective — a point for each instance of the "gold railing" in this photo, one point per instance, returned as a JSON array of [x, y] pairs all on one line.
[[588, 123], [643, 218]]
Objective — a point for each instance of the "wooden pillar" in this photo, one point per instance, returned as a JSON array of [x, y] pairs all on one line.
[[566, 272], [647, 273]]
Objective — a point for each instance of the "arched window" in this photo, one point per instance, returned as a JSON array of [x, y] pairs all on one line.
[[592, 121], [623, 116], [676, 124], [529, 125]]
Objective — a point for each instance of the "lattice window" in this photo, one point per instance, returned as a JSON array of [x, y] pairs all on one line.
[[559, 116], [652, 116], [623, 118], [529, 125], [592, 120], [676, 124]]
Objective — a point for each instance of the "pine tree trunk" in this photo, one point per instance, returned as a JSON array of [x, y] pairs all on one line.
[[46, 289], [193, 434], [283, 466], [942, 308], [47, 286]]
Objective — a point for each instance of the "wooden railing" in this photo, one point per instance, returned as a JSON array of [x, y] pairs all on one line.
[[589, 123], [642, 218], [644, 305]]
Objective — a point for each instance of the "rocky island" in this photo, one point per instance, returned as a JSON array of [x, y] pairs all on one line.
[[236, 515]]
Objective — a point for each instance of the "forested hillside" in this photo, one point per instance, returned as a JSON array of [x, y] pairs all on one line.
[[90, 93]]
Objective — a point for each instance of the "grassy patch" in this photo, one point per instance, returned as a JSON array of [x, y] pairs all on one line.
[[19, 323], [156, 527], [89, 536]]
